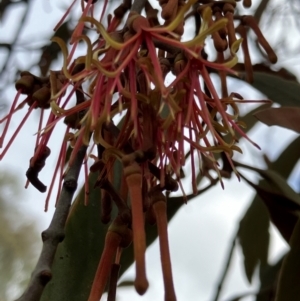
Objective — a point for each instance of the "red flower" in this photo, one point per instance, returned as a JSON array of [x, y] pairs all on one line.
[[124, 72]]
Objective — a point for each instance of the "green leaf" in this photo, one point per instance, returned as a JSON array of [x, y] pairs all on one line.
[[250, 120], [254, 237], [77, 257], [275, 86], [287, 117], [288, 159], [278, 89], [282, 201], [277, 182], [284, 164], [288, 286]]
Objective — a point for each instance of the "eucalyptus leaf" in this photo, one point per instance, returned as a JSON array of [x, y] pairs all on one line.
[[287, 117], [279, 90], [278, 184], [283, 164], [77, 257], [287, 160], [281, 200], [249, 118], [254, 237]]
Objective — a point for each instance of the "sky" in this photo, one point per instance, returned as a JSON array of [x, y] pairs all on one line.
[[200, 235]]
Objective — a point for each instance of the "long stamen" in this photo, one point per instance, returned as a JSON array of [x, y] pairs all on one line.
[[9, 116], [17, 131]]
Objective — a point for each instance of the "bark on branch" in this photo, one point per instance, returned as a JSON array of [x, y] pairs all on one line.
[[55, 233]]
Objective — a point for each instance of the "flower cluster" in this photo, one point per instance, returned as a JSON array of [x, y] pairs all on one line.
[[126, 69]]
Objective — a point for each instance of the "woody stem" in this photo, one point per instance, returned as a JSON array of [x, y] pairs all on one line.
[[51, 237]]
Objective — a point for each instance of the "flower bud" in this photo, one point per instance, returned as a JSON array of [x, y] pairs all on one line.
[[42, 97], [72, 121], [136, 22], [165, 66], [179, 63], [247, 3], [25, 84]]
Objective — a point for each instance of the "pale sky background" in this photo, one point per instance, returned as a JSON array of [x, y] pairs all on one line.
[[201, 233]]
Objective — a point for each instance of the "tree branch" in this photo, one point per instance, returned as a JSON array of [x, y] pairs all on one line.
[[55, 233]]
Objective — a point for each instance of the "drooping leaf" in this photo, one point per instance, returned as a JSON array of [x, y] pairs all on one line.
[[77, 257], [254, 237], [283, 164], [250, 120], [277, 182], [279, 86], [286, 93], [279, 90], [283, 212], [288, 286], [282, 201], [287, 117], [287, 160], [262, 68]]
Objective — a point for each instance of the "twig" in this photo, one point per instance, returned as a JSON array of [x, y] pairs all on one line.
[[188, 197], [260, 10], [226, 268], [138, 5], [55, 233]]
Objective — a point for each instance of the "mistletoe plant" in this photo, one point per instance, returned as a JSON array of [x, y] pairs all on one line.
[[136, 65]]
